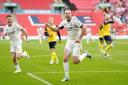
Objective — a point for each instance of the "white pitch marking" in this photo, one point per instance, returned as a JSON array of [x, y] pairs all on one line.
[[86, 72], [37, 78], [40, 55], [36, 56]]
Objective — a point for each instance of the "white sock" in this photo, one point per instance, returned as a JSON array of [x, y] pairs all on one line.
[[17, 67], [82, 56], [66, 69]]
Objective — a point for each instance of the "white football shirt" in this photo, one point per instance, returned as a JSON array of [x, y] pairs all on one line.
[[14, 32], [72, 27]]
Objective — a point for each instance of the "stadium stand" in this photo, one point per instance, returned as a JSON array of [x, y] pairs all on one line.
[[79, 7], [34, 5], [1, 3], [2, 19], [31, 21], [91, 18], [85, 4], [70, 5]]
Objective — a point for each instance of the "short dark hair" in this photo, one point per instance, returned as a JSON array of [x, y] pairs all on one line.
[[66, 9], [8, 16]]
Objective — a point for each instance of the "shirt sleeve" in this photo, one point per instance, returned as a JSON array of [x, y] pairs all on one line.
[[77, 22], [19, 27], [61, 25]]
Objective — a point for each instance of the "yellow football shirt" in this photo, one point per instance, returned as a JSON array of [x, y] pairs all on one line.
[[52, 35], [106, 29], [101, 33]]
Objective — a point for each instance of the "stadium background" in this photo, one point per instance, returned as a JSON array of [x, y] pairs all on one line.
[[98, 71], [31, 13]]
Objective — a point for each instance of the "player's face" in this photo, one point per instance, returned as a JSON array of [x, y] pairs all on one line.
[[68, 14], [9, 21]]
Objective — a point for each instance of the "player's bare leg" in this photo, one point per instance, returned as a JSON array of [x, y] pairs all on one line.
[[17, 67], [66, 65], [76, 60], [18, 56]]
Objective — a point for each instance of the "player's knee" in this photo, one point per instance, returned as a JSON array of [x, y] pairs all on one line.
[[75, 62], [65, 59], [18, 56]]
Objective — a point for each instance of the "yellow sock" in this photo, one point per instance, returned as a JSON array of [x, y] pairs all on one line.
[[54, 56], [108, 47], [101, 46]]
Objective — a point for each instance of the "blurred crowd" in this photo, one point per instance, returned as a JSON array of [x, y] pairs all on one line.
[[119, 11]]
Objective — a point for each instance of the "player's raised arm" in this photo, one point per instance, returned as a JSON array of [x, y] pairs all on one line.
[[54, 28]]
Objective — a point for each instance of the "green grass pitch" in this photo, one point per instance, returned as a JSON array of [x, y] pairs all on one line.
[[98, 71]]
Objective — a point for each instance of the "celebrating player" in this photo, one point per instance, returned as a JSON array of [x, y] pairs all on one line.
[[14, 30], [75, 32]]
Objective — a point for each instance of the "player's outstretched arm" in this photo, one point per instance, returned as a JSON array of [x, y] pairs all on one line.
[[54, 28]]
